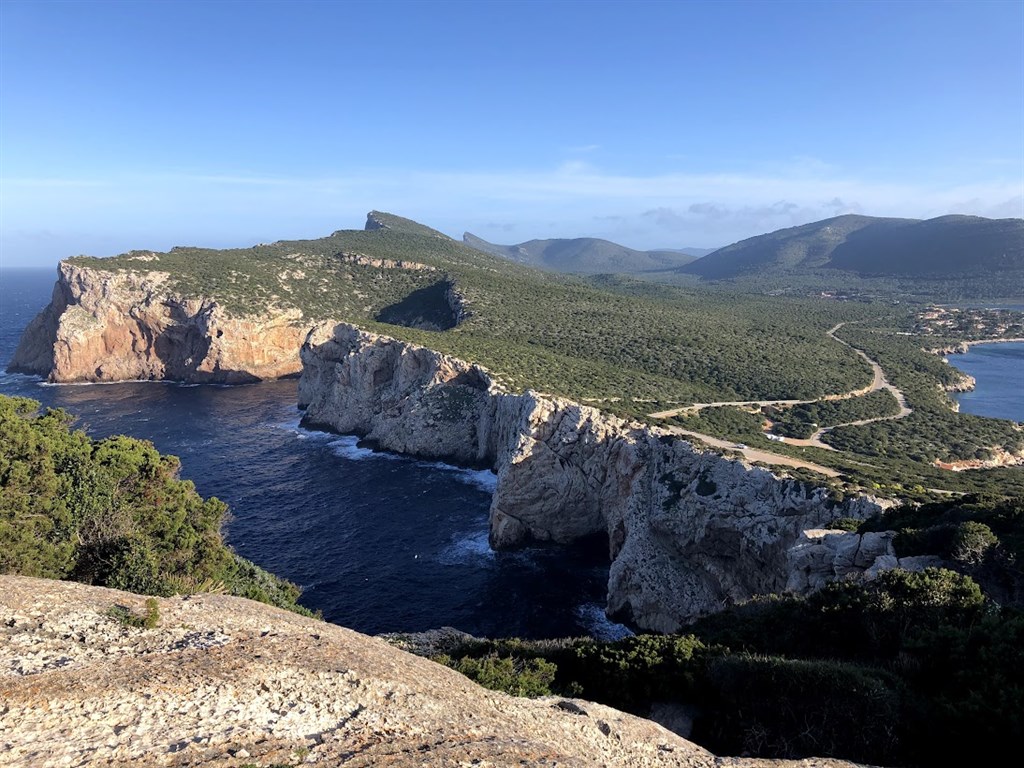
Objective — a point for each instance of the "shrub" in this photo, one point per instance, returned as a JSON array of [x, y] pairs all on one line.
[[531, 677], [126, 617], [971, 541], [111, 512], [796, 708]]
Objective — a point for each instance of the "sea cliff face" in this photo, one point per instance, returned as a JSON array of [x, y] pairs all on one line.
[[689, 531], [113, 326]]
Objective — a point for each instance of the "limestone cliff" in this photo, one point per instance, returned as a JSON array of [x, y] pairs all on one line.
[[689, 531], [222, 681], [118, 325]]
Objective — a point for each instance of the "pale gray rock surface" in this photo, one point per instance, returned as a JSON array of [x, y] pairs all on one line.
[[823, 555], [222, 681]]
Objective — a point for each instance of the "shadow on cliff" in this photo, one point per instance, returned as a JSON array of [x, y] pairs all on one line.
[[183, 347], [428, 309]]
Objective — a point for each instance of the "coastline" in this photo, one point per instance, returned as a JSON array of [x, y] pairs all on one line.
[[999, 398], [962, 347], [1014, 340]]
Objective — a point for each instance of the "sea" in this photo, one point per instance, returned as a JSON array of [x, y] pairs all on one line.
[[999, 370], [377, 541]]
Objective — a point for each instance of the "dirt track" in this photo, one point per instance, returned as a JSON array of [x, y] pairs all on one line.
[[878, 382]]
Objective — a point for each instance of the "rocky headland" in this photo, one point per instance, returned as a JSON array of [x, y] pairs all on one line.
[[223, 681], [125, 325], [689, 531]]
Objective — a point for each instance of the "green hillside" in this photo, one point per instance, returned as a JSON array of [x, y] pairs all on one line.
[[949, 255], [621, 343], [583, 255]]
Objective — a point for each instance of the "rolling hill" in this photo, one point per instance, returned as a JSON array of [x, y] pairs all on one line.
[[584, 255], [948, 248]]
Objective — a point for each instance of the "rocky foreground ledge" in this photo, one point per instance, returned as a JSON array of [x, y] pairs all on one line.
[[224, 681]]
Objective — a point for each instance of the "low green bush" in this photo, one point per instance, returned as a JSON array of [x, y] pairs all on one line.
[[794, 708], [112, 512], [519, 677]]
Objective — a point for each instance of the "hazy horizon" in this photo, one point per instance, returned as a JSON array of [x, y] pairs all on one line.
[[135, 125]]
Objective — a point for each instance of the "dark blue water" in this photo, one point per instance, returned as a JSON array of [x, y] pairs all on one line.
[[999, 372], [378, 542]]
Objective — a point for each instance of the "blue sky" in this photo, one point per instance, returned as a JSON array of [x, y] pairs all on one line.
[[660, 124]]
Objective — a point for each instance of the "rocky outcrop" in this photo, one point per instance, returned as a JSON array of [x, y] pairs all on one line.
[[824, 555], [374, 221], [701, 532], [222, 681], [953, 348], [119, 325], [689, 531], [367, 261]]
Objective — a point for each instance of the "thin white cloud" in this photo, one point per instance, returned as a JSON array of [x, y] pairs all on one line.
[[43, 182], [573, 199]]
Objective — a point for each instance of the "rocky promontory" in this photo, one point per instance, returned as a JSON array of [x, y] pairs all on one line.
[[689, 531], [223, 681], [122, 325]]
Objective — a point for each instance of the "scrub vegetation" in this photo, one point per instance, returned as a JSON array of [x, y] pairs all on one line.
[[598, 339], [912, 669], [802, 421], [113, 513]]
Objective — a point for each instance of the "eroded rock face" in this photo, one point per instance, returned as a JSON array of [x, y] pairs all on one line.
[[689, 531], [406, 398], [702, 532], [823, 555], [115, 326]]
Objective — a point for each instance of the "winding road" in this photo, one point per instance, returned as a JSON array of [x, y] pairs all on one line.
[[878, 382]]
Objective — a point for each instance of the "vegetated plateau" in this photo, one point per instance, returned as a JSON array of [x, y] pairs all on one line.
[[636, 348]]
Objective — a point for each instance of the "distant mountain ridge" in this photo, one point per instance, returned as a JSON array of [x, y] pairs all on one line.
[[583, 255], [941, 248]]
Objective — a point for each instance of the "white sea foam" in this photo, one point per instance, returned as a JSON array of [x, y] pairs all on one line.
[[483, 479], [598, 625], [104, 383], [470, 548], [293, 425], [347, 446]]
